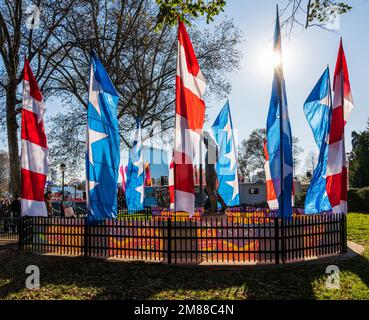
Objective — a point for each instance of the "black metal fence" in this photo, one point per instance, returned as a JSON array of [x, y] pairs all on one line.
[[177, 239], [9, 227]]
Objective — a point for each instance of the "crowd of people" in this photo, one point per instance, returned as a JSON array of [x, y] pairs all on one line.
[[11, 207], [5, 203], [67, 206]]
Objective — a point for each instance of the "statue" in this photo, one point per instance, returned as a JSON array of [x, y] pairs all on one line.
[[355, 139], [211, 178]]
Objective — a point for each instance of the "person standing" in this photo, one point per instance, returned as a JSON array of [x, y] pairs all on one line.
[[49, 205], [15, 207], [67, 206], [15, 213]]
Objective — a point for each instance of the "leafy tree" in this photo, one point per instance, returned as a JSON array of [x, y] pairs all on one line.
[[322, 11], [56, 35], [141, 62], [251, 156], [312, 13], [244, 164], [296, 152], [122, 33], [311, 161], [306, 13], [359, 160], [252, 150], [172, 10], [26, 33]]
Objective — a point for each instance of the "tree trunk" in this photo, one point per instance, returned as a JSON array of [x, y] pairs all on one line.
[[12, 130]]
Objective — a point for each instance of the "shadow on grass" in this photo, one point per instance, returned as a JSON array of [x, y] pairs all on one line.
[[89, 278]]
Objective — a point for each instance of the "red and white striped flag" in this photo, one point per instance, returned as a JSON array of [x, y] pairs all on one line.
[[336, 182], [190, 113], [171, 183], [34, 159]]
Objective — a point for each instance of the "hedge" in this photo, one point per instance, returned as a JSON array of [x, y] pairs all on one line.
[[358, 199]]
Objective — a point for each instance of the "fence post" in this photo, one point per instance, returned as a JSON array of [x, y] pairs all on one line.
[[20, 233], [86, 238], [169, 246], [276, 240], [343, 233], [283, 241]]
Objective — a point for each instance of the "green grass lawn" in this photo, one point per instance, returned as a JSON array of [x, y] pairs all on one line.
[[80, 278]]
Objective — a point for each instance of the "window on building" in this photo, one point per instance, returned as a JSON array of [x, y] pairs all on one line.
[[254, 191]]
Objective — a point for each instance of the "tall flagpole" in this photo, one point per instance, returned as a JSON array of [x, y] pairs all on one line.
[[87, 186], [330, 103], [279, 71], [343, 128], [200, 173], [280, 94]]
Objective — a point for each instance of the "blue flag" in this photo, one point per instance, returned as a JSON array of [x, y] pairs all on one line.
[[135, 174], [102, 158], [317, 109], [279, 137], [226, 166]]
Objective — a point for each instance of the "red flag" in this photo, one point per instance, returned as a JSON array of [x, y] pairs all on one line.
[[34, 159], [336, 182], [147, 175], [190, 113]]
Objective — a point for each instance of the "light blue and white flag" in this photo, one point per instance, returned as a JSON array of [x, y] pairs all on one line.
[[317, 109], [226, 166], [102, 158], [279, 136], [135, 174]]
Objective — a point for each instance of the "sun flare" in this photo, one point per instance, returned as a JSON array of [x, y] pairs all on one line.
[[266, 60]]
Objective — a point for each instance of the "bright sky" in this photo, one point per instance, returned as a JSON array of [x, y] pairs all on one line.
[[305, 55]]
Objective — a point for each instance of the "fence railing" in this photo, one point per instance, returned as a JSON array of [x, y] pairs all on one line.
[[9, 227], [172, 239]]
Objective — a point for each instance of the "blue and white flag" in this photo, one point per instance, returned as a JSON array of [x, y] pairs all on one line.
[[102, 158], [279, 137], [226, 166], [135, 174], [317, 109]]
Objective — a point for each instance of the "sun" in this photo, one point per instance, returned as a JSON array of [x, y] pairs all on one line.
[[266, 60], [276, 59]]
